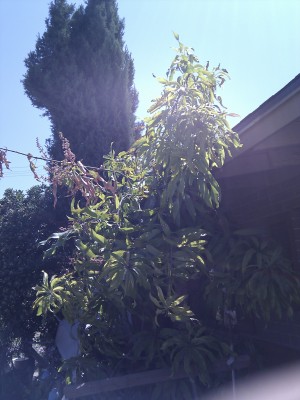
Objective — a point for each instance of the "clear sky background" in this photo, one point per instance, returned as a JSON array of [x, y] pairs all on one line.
[[257, 41]]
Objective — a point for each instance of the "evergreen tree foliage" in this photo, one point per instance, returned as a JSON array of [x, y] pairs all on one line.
[[25, 220], [81, 75]]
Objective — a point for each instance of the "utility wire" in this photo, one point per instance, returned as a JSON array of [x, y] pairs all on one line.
[[29, 156]]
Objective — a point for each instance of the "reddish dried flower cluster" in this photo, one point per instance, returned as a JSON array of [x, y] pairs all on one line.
[[3, 161], [76, 177], [68, 154], [41, 149]]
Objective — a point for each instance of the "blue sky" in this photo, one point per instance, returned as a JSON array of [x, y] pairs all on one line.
[[257, 41]]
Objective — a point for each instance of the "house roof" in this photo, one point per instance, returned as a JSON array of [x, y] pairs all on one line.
[[270, 135], [269, 105]]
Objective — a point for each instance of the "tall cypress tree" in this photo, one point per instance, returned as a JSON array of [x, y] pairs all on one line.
[[81, 75]]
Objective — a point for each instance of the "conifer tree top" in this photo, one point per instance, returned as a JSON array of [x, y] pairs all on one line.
[[81, 76]]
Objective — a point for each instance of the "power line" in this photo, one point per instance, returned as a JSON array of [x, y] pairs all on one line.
[[30, 156]]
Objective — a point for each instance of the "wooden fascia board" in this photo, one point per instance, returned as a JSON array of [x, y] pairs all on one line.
[[270, 122]]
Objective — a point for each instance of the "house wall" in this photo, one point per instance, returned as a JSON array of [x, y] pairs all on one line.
[[269, 200], [260, 188]]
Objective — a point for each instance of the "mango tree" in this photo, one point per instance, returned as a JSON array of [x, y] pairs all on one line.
[[143, 225]]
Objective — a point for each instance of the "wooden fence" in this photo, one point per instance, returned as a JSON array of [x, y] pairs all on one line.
[[144, 378]]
